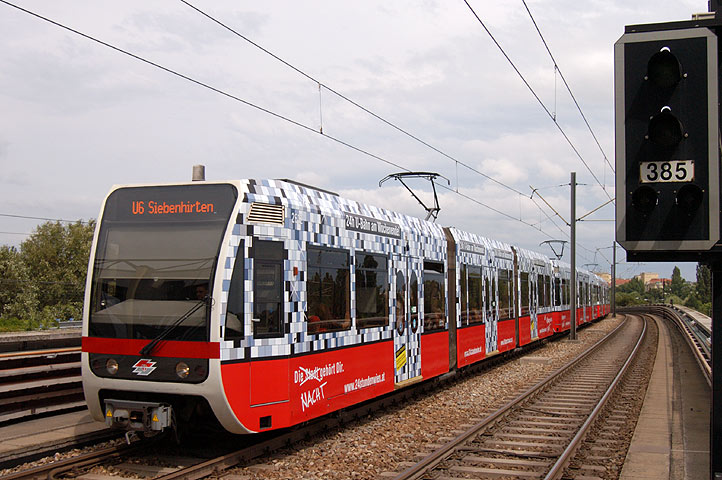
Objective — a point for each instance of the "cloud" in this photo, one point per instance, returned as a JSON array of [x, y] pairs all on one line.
[[79, 117]]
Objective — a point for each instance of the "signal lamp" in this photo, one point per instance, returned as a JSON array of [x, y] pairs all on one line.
[[689, 198], [665, 129], [644, 199], [663, 69]]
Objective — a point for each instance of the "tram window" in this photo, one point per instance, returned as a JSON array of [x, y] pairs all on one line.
[[547, 291], [476, 314], [464, 297], [557, 292], [505, 303], [524, 293], [414, 303], [580, 293], [400, 302], [267, 288], [328, 290], [434, 297], [234, 311], [372, 291], [491, 298]]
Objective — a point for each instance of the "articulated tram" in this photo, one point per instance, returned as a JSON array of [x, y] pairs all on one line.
[[260, 304]]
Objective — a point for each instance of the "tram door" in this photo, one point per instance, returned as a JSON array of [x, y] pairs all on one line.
[[407, 326], [533, 305], [492, 312], [581, 303]]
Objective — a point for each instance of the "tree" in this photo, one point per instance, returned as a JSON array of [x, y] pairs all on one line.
[[704, 283], [18, 295], [634, 285], [678, 283], [628, 298], [47, 275]]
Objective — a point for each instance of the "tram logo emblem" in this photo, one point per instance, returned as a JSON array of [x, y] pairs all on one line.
[[144, 367]]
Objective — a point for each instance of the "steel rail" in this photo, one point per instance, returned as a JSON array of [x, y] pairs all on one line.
[[417, 471], [51, 469], [40, 353], [701, 350], [558, 468]]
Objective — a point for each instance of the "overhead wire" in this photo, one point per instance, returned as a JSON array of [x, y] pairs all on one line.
[[373, 114], [199, 83], [234, 97], [42, 218], [536, 96], [351, 101], [561, 75]]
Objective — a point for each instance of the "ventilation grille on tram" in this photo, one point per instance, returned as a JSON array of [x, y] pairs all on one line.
[[265, 213]]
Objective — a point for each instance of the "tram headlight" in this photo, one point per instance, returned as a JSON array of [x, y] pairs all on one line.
[[182, 369], [111, 366]]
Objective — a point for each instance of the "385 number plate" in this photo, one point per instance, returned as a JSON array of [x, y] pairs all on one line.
[[671, 171]]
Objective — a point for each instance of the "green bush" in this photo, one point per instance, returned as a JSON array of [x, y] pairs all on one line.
[[14, 325]]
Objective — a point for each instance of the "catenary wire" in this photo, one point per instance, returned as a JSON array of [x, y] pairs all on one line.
[[351, 101], [561, 75], [559, 127], [361, 107], [42, 218], [202, 84], [238, 99]]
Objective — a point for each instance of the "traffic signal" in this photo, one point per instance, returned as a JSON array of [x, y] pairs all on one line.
[[667, 140]]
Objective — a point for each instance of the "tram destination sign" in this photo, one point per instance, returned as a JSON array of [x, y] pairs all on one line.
[[171, 203], [470, 247], [360, 223]]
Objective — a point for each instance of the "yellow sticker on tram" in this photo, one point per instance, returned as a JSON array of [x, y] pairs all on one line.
[[400, 357]]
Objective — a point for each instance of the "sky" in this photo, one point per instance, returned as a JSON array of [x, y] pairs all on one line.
[[333, 94]]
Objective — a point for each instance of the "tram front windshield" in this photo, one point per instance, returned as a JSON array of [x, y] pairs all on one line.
[[154, 263]]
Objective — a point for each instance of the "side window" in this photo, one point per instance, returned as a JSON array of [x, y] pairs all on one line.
[[476, 313], [464, 297], [557, 292], [372, 291], [580, 294], [267, 288], [491, 306], [434, 296], [400, 302], [414, 302], [234, 311], [524, 293], [505, 310], [328, 290]]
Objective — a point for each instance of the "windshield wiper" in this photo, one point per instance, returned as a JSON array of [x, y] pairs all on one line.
[[148, 349]]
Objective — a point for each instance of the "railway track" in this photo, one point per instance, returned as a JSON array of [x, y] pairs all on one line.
[[124, 462], [537, 434], [39, 382]]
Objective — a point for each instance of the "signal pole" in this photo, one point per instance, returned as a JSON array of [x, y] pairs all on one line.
[[614, 279], [573, 255]]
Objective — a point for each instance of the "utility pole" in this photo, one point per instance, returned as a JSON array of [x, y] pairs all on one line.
[[573, 254], [614, 279]]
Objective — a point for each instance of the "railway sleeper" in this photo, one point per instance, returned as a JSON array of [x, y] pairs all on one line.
[[504, 461], [47, 397], [38, 387], [39, 372], [495, 472], [34, 360]]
